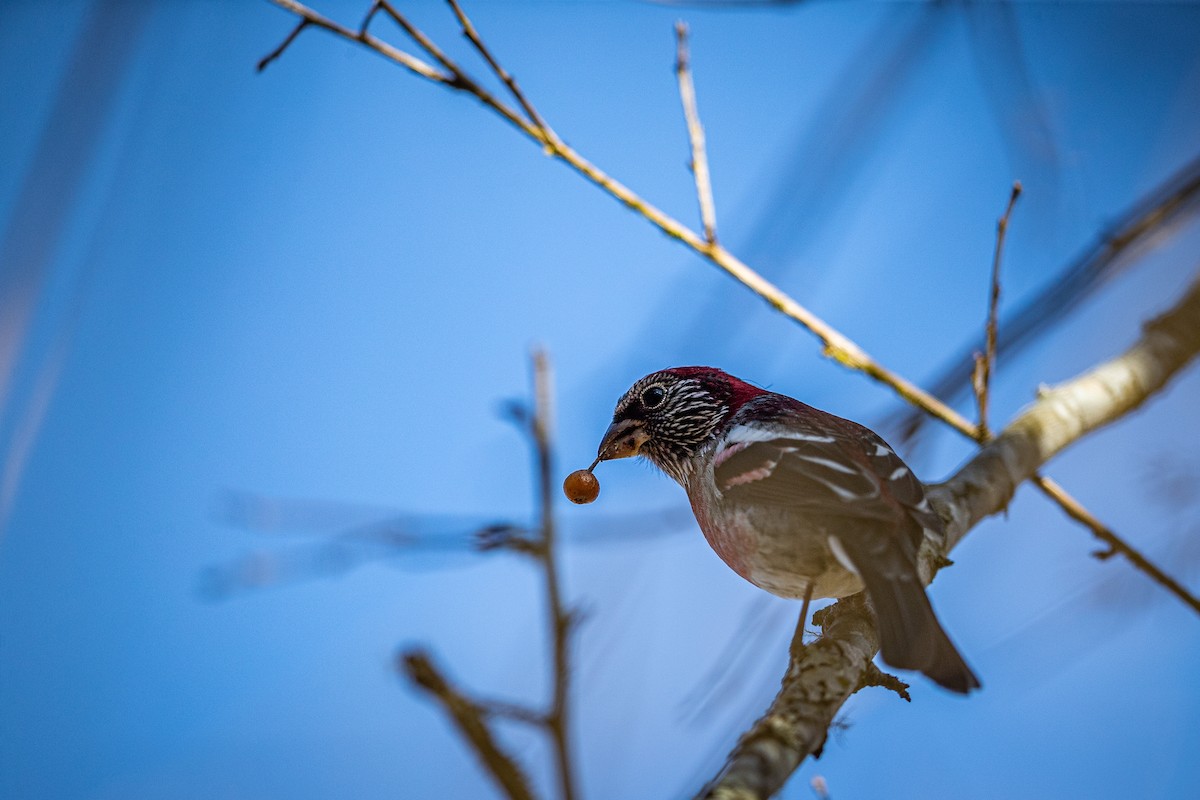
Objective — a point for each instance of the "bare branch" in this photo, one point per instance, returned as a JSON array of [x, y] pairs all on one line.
[[1115, 544], [699, 162], [835, 344], [310, 17], [984, 367], [418, 36], [981, 382], [833, 667], [469, 718], [1146, 221], [1063, 414], [509, 81], [278, 51]]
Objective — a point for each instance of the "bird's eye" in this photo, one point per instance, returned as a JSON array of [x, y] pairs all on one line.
[[653, 397]]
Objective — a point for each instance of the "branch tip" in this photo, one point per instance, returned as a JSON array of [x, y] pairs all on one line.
[[699, 155], [278, 51]]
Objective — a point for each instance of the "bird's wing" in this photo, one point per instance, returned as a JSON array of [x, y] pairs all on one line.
[[819, 464]]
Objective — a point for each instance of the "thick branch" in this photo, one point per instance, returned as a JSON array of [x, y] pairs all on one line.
[[832, 668], [814, 688]]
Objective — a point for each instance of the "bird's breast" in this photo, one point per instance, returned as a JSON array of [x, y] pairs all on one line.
[[777, 551]]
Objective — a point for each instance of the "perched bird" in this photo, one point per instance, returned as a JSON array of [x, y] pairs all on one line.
[[795, 500]]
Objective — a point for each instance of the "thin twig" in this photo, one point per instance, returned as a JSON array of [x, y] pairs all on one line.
[[981, 380], [1115, 543], [1164, 207], [558, 718], [472, 35], [278, 51], [409, 62], [418, 36], [469, 718], [699, 162], [985, 367]]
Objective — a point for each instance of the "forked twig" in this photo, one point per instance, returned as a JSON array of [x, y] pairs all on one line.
[[472, 35], [308, 17]]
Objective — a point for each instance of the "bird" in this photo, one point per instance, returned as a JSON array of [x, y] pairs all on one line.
[[798, 501]]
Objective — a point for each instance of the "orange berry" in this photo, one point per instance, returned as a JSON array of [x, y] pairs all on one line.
[[581, 486]]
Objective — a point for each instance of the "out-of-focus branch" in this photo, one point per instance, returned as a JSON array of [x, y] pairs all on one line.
[[471, 716], [559, 618], [833, 667], [470, 719], [699, 162]]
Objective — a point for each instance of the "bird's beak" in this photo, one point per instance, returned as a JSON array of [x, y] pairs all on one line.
[[623, 439]]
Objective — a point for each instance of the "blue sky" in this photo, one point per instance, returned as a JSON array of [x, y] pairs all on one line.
[[321, 282]]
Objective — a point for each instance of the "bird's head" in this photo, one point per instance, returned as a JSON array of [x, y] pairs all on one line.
[[669, 416]]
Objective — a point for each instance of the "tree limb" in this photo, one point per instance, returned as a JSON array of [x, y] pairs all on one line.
[[831, 669]]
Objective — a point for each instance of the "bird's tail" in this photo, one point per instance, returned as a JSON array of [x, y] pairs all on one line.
[[910, 635]]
